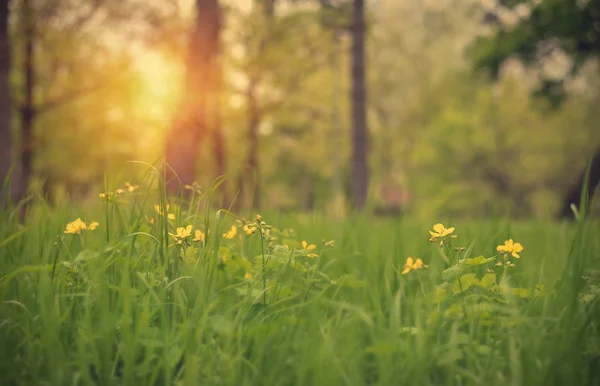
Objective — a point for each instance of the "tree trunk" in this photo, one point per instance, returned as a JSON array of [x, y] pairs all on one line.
[[194, 117], [360, 168], [218, 140], [6, 140], [336, 116], [28, 112], [573, 196], [252, 167]]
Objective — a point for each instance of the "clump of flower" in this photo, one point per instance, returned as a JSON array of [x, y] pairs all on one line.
[[509, 248], [75, 227], [182, 235], [441, 233], [413, 265]]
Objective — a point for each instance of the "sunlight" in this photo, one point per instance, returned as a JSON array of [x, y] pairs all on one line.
[[160, 86]]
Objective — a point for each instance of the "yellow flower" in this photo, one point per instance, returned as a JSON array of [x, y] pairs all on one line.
[[75, 227], [249, 229], [230, 233], [131, 188], [199, 236], [510, 247], [312, 255], [412, 265], [248, 276], [93, 225], [330, 243], [118, 192], [441, 231], [308, 247], [182, 233], [259, 218]]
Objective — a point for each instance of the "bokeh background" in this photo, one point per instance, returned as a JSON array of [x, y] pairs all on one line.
[[472, 108]]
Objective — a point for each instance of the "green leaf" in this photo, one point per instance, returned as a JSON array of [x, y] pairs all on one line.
[[479, 260], [453, 272], [86, 255], [488, 280], [466, 281], [521, 292]]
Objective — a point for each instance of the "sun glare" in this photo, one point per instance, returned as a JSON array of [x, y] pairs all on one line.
[[160, 86]]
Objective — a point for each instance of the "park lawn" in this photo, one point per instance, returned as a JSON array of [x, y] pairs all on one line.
[[133, 300]]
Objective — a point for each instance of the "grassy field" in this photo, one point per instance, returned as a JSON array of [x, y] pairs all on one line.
[[292, 299]]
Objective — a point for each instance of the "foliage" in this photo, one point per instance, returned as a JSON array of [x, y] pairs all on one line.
[[161, 291], [453, 143]]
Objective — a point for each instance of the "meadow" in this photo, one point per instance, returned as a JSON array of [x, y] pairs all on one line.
[[135, 289]]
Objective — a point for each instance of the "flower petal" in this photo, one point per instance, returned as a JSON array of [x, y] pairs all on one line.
[[439, 227]]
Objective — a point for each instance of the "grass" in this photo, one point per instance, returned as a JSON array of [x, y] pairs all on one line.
[[125, 304]]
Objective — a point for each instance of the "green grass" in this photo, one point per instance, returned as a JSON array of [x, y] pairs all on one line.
[[119, 306]]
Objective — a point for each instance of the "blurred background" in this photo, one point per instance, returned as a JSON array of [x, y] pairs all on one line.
[[464, 108]]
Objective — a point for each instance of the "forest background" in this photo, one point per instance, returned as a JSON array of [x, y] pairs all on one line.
[[463, 108]]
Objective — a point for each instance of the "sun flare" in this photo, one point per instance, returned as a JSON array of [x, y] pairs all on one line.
[[160, 86]]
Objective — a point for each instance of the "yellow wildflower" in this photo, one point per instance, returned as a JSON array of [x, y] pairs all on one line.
[[440, 232], [182, 234], [312, 255], [412, 265], [199, 236], [259, 218], [131, 188], [510, 247], [230, 233], [118, 192], [93, 225], [75, 227], [249, 229], [308, 247], [248, 276]]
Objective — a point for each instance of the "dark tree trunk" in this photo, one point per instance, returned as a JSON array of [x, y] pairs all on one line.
[[194, 117], [6, 140], [573, 196], [28, 113], [360, 168]]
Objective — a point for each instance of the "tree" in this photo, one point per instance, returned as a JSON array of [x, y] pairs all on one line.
[[198, 113], [255, 114], [568, 26], [360, 167], [6, 140]]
